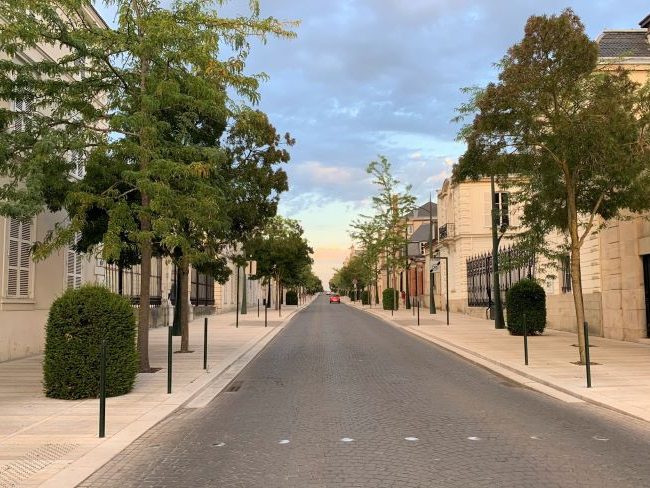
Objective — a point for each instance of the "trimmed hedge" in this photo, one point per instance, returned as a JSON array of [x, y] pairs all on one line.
[[292, 298], [352, 295], [365, 297], [390, 296], [77, 323], [526, 297]]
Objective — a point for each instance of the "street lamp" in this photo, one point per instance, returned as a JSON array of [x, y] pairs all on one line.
[[416, 261], [435, 266]]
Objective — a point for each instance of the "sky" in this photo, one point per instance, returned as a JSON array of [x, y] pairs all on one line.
[[370, 77]]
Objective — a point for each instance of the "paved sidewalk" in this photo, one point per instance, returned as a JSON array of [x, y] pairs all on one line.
[[48, 442], [620, 379]]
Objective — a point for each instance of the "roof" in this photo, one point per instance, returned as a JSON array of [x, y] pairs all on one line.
[[624, 43], [421, 234], [422, 212]]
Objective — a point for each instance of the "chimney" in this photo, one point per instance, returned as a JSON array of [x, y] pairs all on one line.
[[645, 24]]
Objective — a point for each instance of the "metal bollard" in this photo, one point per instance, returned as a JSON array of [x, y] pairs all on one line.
[[258, 308], [266, 308], [205, 343], [418, 300], [102, 390], [169, 360], [588, 362], [525, 341]]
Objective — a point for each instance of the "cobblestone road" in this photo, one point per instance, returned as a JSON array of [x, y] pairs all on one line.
[[341, 399]]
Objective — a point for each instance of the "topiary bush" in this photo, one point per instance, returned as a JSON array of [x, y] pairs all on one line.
[[77, 323], [526, 297], [365, 297], [352, 295], [292, 298], [390, 298]]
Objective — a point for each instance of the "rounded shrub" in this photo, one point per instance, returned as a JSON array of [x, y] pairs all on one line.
[[352, 295], [365, 297], [526, 298], [292, 297], [78, 322], [390, 298]]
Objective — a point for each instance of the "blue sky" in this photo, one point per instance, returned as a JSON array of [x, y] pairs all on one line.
[[369, 77]]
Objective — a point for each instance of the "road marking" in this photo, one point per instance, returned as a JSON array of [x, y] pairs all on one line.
[[598, 438], [474, 438], [220, 444], [412, 439], [284, 441], [347, 439], [535, 438]]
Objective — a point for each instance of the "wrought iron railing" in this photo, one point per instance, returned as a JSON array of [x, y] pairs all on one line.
[[126, 281], [515, 264]]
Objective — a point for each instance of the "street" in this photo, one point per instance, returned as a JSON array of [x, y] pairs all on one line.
[[343, 399]]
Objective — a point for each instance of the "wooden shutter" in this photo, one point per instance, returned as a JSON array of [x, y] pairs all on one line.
[[19, 262], [73, 266]]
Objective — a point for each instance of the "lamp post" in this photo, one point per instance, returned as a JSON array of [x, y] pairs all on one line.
[[432, 302], [499, 322], [435, 266]]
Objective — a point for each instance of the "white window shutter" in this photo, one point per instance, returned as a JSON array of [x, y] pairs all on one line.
[[487, 209], [73, 266], [19, 259]]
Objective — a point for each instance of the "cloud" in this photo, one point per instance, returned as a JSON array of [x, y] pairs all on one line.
[[368, 77]]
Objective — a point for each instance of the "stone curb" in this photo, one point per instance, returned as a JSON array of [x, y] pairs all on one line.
[[80, 469], [529, 380]]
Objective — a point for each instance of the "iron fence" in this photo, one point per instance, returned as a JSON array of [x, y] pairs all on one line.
[[126, 281], [515, 264]]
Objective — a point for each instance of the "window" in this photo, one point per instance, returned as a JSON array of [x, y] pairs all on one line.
[[18, 258], [202, 289], [73, 265], [22, 108], [423, 248], [78, 167], [80, 64], [501, 202], [409, 229], [565, 269]]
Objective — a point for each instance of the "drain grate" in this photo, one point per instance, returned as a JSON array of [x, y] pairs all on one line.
[[12, 474], [234, 386]]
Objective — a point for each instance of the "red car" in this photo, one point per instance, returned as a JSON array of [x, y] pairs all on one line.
[[335, 299]]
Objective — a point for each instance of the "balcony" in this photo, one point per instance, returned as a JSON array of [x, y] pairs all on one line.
[[446, 231]]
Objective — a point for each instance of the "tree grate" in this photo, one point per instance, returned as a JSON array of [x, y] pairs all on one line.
[[12, 474]]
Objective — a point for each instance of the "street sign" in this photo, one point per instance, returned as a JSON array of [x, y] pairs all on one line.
[[435, 265]]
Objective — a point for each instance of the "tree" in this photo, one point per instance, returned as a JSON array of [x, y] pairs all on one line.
[[281, 252], [367, 233], [106, 99], [569, 139], [392, 204]]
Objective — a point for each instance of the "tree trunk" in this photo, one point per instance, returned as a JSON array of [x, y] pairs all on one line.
[[184, 301], [576, 275], [145, 290]]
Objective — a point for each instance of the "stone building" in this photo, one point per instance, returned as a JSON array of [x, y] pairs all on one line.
[[615, 261]]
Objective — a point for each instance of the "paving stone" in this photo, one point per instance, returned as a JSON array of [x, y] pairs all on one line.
[[336, 373]]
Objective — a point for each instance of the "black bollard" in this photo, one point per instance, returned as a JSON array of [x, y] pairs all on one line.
[[525, 341], [588, 362], [258, 308], [102, 390], [266, 308], [169, 360], [418, 300], [205, 343]]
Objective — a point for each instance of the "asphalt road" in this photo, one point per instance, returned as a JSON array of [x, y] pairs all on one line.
[[342, 399]]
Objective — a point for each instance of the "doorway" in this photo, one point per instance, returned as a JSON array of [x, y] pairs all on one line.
[[646, 283]]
